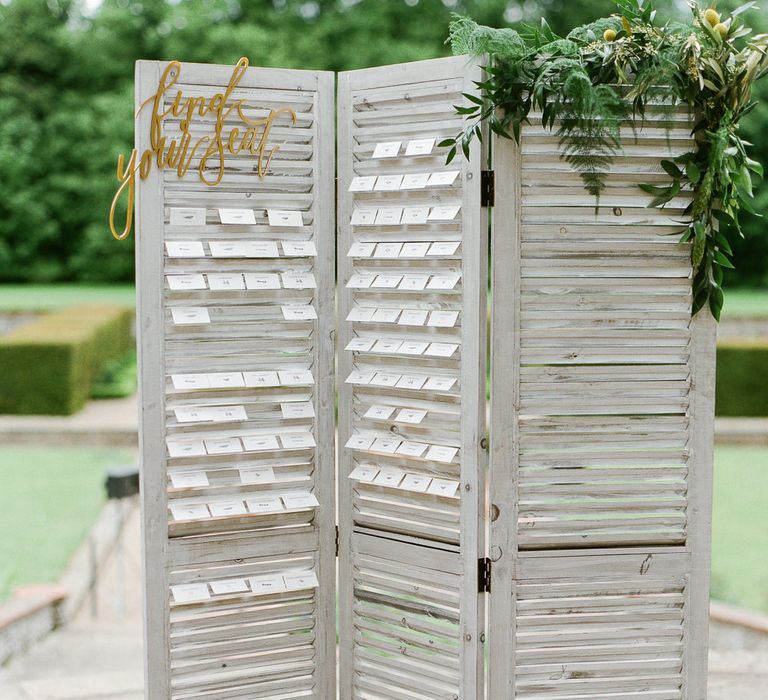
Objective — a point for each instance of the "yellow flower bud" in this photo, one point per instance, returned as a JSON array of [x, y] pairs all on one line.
[[712, 16], [609, 34], [721, 29]]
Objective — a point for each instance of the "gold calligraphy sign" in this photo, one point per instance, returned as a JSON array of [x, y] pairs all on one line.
[[179, 152]]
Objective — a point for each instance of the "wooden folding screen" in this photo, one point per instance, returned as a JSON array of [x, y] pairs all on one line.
[[601, 437], [236, 338], [411, 374]]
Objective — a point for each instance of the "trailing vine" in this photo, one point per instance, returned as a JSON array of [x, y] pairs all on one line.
[[606, 74]]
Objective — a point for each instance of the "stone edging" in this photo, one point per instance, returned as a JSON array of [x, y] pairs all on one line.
[[741, 617]]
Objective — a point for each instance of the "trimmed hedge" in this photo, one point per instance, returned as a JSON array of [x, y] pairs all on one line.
[[742, 378], [49, 365]]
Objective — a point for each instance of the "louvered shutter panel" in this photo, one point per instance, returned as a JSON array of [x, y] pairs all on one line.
[[601, 430], [410, 613], [232, 610]]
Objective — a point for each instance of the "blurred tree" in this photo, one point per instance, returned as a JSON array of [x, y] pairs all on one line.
[[66, 97]]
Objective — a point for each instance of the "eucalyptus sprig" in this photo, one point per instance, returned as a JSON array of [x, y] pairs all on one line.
[[605, 74]]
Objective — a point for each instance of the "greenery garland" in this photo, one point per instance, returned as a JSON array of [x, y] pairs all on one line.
[[605, 74]]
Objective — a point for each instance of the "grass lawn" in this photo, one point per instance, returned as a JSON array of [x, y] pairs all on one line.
[[740, 527], [745, 303], [49, 499], [42, 297]]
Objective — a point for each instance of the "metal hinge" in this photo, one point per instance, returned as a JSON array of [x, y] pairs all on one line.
[[337, 540], [487, 188], [484, 575]]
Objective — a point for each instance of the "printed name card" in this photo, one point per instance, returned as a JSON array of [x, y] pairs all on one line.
[[226, 380], [362, 184], [389, 476], [363, 217], [190, 382], [224, 281], [444, 281], [410, 415], [439, 453], [230, 586], [190, 315], [189, 511], [301, 581], [361, 313], [298, 409], [186, 282], [237, 216], [298, 280], [414, 250], [190, 593], [186, 216], [264, 504], [388, 216], [264, 585], [266, 281], [386, 149], [299, 313], [444, 213], [295, 501], [444, 248], [184, 249], [419, 147], [178, 447], [443, 319], [256, 475], [214, 414], [414, 283], [443, 487], [415, 482], [414, 181], [443, 179], [223, 446], [260, 443], [364, 472], [360, 344], [283, 218], [227, 509], [299, 249], [261, 379], [379, 412], [297, 377], [359, 442], [361, 250], [415, 215], [247, 249], [297, 441], [387, 250], [388, 183], [188, 480], [409, 448]]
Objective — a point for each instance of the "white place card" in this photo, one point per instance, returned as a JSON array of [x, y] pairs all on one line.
[[416, 482], [444, 248], [444, 281], [364, 472], [264, 585], [415, 215], [226, 380], [412, 381], [387, 346], [362, 184], [184, 249], [444, 213], [190, 593], [189, 480], [297, 409], [299, 313], [185, 448], [298, 280], [443, 319], [283, 217], [388, 216], [359, 377], [190, 381], [419, 147], [230, 586], [413, 347], [388, 183], [359, 442], [297, 441], [410, 415], [377, 412], [439, 383], [361, 314], [296, 377], [414, 181], [386, 281], [414, 250], [180, 283], [386, 315], [361, 250], [387, 445], [441, 349], [190, 315], [256, 475], [363, 217], [443, 487], [387, 250], [224, 281], [413, 283], [389, 476], [267, 378], [386, 149], [223, 446], [237, 216], [227, 509], [226, 414], [385, 379], [264, 504], [187, 216], [300, 500], [413, 317], [412, 449], [265, 281], [360, 280], [447, 177], [247, 249], [260, 443], [300, 582], [439, 453], [299, 249], [189, 511], [360, 344]]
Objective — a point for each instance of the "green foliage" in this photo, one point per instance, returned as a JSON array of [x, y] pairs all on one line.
[[117, 379], [742, 365], [50, 364], [585, 85]]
